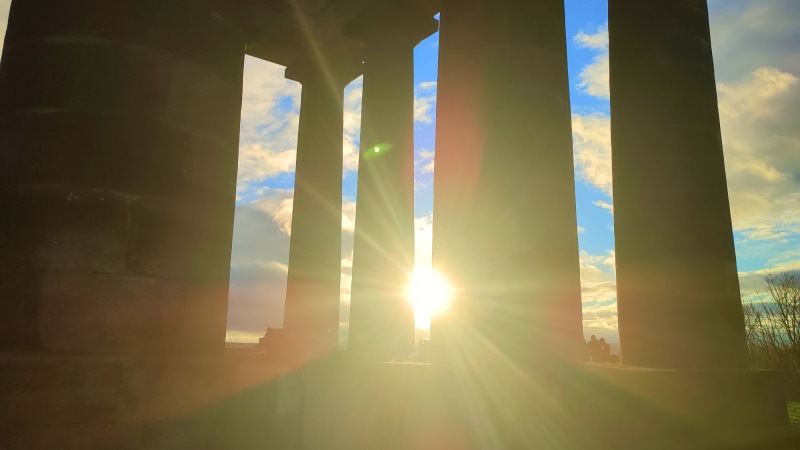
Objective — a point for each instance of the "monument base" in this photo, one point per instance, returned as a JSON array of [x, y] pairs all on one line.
[[255, 401], [628, 406], [352, 406], [83, 402]]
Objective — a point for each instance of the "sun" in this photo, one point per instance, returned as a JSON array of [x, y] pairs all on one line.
[[430, 294]]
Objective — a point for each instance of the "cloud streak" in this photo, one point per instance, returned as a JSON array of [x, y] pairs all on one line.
[[593, 78], [425, 102], [591, 137]]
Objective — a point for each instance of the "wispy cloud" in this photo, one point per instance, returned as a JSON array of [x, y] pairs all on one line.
[[761, 145], [747, 34], [591, 137], [425, 102], [352, 123], [268, 131], [598, 40], [593, 78], [605, 205], [424, 161], [599, 290]]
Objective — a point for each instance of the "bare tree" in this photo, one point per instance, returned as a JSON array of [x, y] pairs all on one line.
[[772, 327]]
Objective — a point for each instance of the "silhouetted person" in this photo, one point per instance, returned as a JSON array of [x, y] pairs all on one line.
[[594, 348], [604, 353]]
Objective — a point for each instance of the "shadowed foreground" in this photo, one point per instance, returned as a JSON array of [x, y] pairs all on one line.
[[247, 401]]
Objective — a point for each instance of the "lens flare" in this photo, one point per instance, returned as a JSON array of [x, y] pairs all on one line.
[[430, 294], [377, 150]]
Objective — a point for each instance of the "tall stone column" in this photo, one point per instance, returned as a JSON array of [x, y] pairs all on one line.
[[381, 318], [678, 291], [505, 229], [315, 253], [119, 125]]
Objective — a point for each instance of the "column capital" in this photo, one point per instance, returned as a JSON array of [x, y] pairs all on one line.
[[336, 63], [394, 20]]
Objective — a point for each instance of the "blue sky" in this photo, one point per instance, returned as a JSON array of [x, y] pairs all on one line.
[[757, 55]]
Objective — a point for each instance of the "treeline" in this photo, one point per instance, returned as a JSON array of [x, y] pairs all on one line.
[[772, 327]]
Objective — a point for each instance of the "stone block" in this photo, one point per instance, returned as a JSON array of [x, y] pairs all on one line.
[[44, 391], [142, 155], [79, 402], [96, 313], [182, 27], [139, 82], [58, 227], [722, 399], [71, 438], [181, 239]]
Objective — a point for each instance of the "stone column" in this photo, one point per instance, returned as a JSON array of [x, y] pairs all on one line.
[[119, 125], [315, 253], [381, 318], [505, 229], [678, 291]]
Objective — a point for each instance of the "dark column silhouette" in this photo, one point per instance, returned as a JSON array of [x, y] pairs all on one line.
[[118, 159], [505, 229], [678, 291], [312, 293], [381, 318]]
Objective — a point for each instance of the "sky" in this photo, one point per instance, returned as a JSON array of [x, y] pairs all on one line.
[[756, 48], [757, 56]]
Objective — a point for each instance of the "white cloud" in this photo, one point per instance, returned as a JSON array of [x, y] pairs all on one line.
[[757, 63], [258, 163], [277, 204], [601, 317], [349, 216], [747, 34], [593, 78], [757, 55], [605, 205], [425, 102], [599, 290], [758, 109], [761, 145], [591, 136], [352, 123], [598, 276], [259, 262], [270, 119], [596, 41], [258, 268], [752, 285], [423, 241], [268, 131], [424, 161]]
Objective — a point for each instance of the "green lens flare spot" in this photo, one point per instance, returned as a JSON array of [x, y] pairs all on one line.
[[378, 150]]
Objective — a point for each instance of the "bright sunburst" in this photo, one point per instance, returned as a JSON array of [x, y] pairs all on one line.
[[430, 293]]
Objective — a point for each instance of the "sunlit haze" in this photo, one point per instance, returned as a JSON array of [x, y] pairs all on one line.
[[430, 293]]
